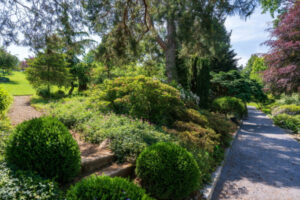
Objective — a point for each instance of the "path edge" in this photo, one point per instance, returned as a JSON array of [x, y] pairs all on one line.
[[210, 188]]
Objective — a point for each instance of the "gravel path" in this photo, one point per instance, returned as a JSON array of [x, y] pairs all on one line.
[[21, 110], [264, 163]]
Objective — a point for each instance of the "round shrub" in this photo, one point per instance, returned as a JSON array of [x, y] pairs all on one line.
[[168, 171], [104, 187], [230, 105], [44, 145], [5, 100]]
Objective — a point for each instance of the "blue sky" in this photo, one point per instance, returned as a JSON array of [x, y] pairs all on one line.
[[247, 36]]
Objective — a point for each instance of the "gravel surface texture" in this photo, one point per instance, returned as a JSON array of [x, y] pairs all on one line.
[[264, 163], [21, 110]]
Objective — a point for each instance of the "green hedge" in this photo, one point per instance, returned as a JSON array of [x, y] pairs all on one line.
[[44, 145], [230, 105], [106, 188], [168, 171], [25, 185]]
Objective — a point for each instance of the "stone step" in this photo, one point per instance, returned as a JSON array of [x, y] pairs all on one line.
[[119, 170], [95, 162]]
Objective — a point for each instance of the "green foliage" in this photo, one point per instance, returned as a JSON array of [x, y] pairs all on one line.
[[289, 99], [200, 83], [25, 185], [128, 138], [288, 122], [44, 145], [49, 67], [106, 188], [168, 171], [230, 105], [5, 131], [233, 83], [140, 97], [257, 68], [7, 61], [71, 111], [5, 100], [287, 109]]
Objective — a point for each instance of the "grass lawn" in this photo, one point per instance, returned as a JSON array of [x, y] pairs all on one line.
[[18, 84]]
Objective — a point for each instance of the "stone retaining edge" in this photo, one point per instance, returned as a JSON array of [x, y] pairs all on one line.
[[209, 189]]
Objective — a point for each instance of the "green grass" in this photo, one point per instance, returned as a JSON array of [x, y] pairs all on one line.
[[18, 84]]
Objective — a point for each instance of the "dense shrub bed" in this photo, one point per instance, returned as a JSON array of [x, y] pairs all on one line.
[[16, 184], [286, 109], [128, 137], [288, 122], [106, 188], [125, 113]]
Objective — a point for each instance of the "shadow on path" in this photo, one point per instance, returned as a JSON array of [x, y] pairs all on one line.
[[264, 163]]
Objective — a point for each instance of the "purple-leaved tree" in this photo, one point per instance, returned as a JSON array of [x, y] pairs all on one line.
[[283, 73]]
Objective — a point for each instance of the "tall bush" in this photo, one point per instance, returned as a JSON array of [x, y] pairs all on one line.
[[141, 97]]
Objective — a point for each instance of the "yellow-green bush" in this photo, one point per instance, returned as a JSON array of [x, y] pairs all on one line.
[[230, 105], [141, 97], [286, 109], [5, 100], [288, 122]]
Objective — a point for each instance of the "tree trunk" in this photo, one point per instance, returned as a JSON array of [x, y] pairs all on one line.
[[72, 88], [170, 52]]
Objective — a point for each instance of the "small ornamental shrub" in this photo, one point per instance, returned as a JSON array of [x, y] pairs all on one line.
[[288, 122], [230, 105], [289, 99], [287, 109], [5, 100], [168, 171], [71, 112], [106, 188], [44, 145], [16, 184], [141, 97], [128, 137]]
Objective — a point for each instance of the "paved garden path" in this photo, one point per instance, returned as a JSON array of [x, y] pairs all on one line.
[[264, 163], [21, 110]]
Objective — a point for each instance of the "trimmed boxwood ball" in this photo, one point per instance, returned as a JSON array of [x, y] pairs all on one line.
[[46, 146], [168, 171], [106, 188]]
